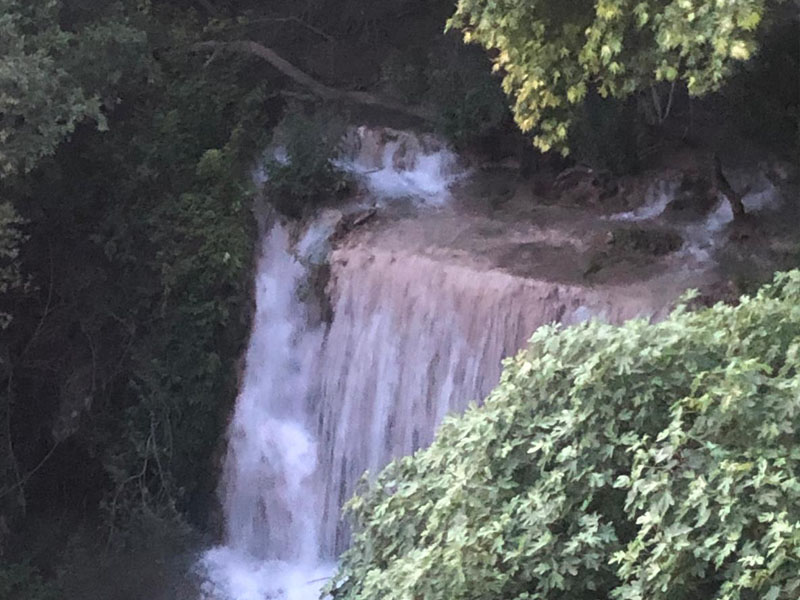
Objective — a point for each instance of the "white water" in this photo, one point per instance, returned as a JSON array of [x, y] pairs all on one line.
[[396, 164], [656, 200], [271, 524], [702, 238], [273, 489], [412, 339]]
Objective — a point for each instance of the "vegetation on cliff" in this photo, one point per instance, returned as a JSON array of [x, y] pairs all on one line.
[[633, 462]]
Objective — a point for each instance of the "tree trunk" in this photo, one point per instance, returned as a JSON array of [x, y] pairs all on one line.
[[723, 186]]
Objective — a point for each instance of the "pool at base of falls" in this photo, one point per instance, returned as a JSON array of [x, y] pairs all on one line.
[[231, 575]]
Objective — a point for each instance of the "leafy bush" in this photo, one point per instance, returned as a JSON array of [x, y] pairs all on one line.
[[764, 96], [148, 254], [308, 175], [551, 53], [469, 100], [657, 462], [456, 81]]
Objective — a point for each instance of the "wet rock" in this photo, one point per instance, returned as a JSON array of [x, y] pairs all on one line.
[[584, 186], [696, 197], [781, 171], [509, 163], [314, 245], [359, 218], [650, 241]]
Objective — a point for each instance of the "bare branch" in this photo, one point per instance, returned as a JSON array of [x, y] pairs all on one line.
[[669, 102], [292, 19], [724, 186], [318, 88]]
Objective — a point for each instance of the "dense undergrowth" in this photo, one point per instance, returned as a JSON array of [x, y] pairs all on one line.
[[624, 462], [131, 299]]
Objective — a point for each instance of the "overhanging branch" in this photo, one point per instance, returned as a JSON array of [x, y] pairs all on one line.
[[316, 87]]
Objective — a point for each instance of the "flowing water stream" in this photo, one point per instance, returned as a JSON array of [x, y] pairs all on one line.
[[412, 338], [317, 407], [269, 501]]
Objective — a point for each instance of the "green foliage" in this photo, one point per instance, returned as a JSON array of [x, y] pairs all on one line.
[[553, 53], [139, 251], [456, 81], [605, 134], [41, 101], [468, 99], [10, 240], [647, 462], [764, 97], [307, 176], [189, 233], [21, 580]]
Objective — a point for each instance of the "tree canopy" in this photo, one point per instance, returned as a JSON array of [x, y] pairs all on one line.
[[633, 462], [552, 53]]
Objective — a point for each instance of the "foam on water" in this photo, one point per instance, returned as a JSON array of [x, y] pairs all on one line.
[[271, 524], [237, 576], [396, 164], [656, 201]]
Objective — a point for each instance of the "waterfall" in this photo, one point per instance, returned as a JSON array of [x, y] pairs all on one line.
[[271, 524], [414, 339], [271, 455], [398, 164], [413, 336]]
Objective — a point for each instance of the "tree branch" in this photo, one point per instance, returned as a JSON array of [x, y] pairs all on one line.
[[669, 102], [292, 19], [724, 186], [316, 87]]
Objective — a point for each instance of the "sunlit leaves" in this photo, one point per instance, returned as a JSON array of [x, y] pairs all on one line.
[[550, 52], [648, 462]]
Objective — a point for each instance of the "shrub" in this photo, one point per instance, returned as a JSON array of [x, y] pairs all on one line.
[[656, 462], [469, 100], [457, 82], [308, 176]]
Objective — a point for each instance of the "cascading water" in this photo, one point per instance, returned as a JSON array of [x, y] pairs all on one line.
[[397, 164], [271, 524], [412, 338], [701, 238]]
